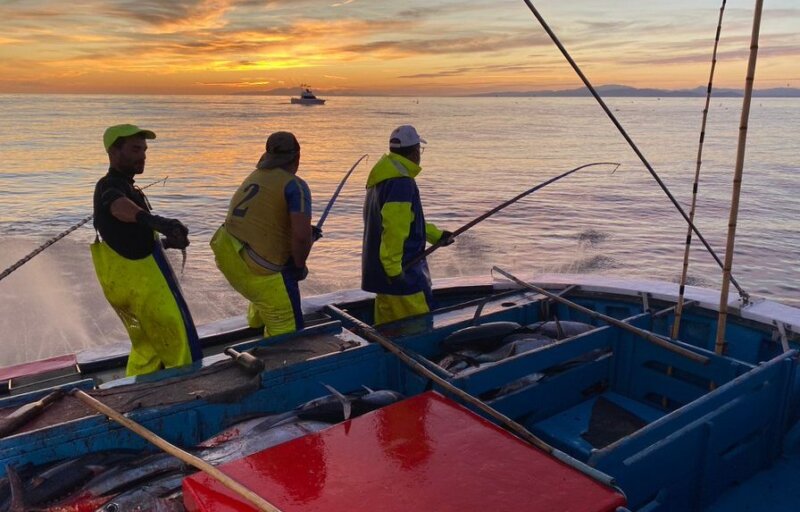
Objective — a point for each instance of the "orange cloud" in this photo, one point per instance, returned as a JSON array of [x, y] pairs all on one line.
[[433, 46]]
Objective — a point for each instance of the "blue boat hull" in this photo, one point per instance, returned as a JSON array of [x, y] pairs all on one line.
[[703, 428]]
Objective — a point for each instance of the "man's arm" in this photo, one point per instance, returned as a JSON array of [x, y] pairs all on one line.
[[298, 199], [124, 209], [396, 219], [301, 238], [432, 233]]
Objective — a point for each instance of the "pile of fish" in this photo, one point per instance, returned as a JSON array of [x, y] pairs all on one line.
[[478, 345], [119, 481], [481, 345]]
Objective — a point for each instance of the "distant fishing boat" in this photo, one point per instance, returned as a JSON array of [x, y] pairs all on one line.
[[307, 98]]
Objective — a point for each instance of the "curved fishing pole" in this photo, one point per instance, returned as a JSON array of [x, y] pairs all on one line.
[[496, 209], [336, 193], [56, 238], [744, 295]]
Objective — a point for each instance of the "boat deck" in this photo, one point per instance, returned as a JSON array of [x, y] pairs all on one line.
[[218, 380]]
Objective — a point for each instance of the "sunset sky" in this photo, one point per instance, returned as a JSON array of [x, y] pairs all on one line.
[[413, 47]]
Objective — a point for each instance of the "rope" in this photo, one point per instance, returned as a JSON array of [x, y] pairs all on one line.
[[55, 239]]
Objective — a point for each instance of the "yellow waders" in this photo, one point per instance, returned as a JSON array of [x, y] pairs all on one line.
[[389, 308], [141, 296], [274, 302]]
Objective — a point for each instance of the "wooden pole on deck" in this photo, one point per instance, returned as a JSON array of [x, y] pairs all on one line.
[[372, 334], [719, 346], [676, 326], [647, 335], [242, 491]]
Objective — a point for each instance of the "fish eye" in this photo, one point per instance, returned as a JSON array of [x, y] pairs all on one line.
[[111, 507]]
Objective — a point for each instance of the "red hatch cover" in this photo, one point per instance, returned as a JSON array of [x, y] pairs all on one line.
[[424, 453]]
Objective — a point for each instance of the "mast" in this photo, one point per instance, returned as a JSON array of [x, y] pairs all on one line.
[[737, 179]]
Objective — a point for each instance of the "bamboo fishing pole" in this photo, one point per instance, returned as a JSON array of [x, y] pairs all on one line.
[[737, 178], [676, 326], [496, 209], [744, 295], [647, 335], [239, 489], [371, 334], [28, 257]]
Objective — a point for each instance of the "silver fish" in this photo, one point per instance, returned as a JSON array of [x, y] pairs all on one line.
[[258, 441], [561, 329], [482, 337], [150, 497], [516, 385]]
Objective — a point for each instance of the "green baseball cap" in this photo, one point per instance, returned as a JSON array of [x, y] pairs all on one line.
[[112, 133]]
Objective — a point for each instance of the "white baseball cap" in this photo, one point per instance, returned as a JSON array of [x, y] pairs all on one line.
[[404, 136]]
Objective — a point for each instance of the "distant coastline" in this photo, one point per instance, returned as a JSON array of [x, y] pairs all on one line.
[[626, 91], [608, 91], [604, 90]]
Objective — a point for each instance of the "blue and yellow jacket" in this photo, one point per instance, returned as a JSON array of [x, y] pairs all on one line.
[[395, 230]]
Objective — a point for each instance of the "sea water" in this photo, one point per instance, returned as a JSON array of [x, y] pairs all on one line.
[[480, 152]]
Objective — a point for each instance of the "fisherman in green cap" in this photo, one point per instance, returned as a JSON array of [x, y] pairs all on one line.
[[130, 263]]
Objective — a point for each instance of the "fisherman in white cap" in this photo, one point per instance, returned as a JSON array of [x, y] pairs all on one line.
[[395, 232]]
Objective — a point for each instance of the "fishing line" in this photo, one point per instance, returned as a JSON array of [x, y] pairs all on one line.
[[744, 295], [58, 237]]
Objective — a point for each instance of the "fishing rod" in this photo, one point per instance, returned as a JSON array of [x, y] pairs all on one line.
[[335, 195], [744, 295], [496, 209], [58, 237], [676, 325], [719, 345]]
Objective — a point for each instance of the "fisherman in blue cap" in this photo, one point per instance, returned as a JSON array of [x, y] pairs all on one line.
[[395, 232], [130, 263]]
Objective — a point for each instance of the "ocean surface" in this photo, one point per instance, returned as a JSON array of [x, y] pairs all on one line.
[[480, 152]]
